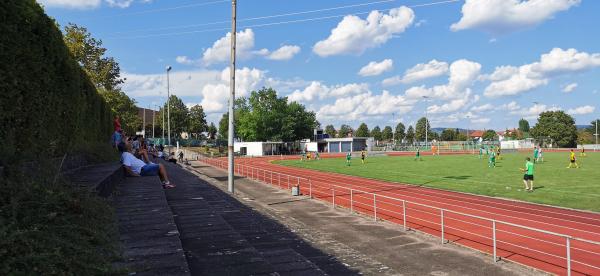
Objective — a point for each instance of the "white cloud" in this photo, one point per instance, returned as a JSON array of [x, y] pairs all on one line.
[[481, 121], [365, 104], [504, 16], [376, 68], [185, 60], [482, 108], [462, 75], [570, 87], [582, 110], [71, 4], [533, 111], [221, 49], [286, 52], [119, 3], [510, 80], [419, 72], [453, 105], [89, 4], [354, 35], [512, 106], [318, 91]]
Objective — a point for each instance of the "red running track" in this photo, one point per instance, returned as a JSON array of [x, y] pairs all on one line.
[[466, 219]]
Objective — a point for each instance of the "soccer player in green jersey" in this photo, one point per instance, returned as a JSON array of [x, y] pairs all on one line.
[[348, 157], [535, 154], [492, 160], [528, 177], [480, 152], [418, 155]]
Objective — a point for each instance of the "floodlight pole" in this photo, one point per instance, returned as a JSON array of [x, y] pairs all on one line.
[[144, 123], [153, 119], [393, 131], [426, 122], [168, 107], [230, 184], [596, 146]]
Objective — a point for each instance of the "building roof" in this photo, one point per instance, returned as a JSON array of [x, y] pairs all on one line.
[[346, 139], [476, 133]]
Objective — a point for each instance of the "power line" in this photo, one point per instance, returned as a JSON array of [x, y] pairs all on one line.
[[280, 22], [164, 9], [259, 17]]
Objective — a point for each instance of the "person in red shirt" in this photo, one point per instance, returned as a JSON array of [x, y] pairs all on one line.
[[117, 123]]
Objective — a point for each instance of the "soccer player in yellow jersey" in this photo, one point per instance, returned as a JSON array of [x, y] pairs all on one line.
[[573, 160]]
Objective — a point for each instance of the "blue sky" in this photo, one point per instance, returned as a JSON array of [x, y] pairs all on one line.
[[479, 63]]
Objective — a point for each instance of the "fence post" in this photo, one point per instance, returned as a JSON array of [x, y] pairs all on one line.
[[568, 256], [310, 188], [404, 214], [442, 224], [374, 207], [333, 197], [298, 181], [288, 181], [494, 239], [351, 200]]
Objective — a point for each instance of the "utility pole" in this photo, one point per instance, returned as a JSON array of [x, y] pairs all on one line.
[[426, 122], [596, 146], [144, 123], [168, 107], [163, 126], [153, 117], [230, 184]]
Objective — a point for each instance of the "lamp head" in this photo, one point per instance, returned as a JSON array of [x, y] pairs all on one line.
[[169, 68]]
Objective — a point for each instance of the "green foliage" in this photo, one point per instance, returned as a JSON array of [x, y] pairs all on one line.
[[224, 126], [448, 135], [523, 125], [197, 120], [557, 125], [399, 132], [376, 133], [123, 106], [265, 117], [362, 131], [489, 135], [420, 131], [212, 131], [344, 131], [410, 135], [103, 71], [387, 134], [179, 115], [48, 103], [592, 129], [585, 137], [52, 229], [330, 130]]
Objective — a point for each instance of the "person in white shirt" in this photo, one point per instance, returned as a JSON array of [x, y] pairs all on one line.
[[137, 167]]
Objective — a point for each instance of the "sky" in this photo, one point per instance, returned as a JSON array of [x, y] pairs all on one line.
[[477, 64]]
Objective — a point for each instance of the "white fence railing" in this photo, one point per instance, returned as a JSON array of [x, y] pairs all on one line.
[[488, 235]]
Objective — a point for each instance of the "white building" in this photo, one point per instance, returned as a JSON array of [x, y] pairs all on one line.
[[349, 144], [260, 148]]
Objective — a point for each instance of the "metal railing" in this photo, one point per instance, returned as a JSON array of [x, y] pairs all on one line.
[[437, 221]]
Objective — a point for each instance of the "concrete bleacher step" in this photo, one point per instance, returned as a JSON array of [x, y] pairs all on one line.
[[147, 232], [99, 178], [222, 236]]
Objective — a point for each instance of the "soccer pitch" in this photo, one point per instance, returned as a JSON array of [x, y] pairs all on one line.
[[554, 183]]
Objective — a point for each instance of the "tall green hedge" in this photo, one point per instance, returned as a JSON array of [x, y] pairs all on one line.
[[47, 103]]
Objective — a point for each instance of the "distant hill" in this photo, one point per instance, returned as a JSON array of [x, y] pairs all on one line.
[[582, 126]]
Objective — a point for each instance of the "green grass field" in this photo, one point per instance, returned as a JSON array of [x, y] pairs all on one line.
[[554, 183]]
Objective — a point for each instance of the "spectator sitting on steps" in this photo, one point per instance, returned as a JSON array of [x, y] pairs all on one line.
[[137, 167]]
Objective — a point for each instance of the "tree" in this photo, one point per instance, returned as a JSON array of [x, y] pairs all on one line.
[[558, 126], [584, 137], [523, 125], [330, 130], [197, 120], [179, 117], [123, 106], [592, 128], [265, 117], [399, 133], [387, 133], [410, 135], [344, 131], [489, 135], [448, 135], [376, 133], [362, 131], [224, 126], [104, 72], [420, 129], [212, 131]]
